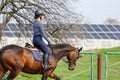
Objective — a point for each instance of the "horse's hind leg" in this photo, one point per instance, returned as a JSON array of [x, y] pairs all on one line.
[[2, 72], [13, 74]]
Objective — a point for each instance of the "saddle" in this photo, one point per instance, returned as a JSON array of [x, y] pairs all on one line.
[[37, 54]]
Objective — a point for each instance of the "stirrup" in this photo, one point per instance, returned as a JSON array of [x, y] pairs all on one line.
[[47, 67]]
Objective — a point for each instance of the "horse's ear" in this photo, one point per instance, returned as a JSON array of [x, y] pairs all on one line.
[[80, 49]]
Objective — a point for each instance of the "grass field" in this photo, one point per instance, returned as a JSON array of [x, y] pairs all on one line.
[[82, 71]]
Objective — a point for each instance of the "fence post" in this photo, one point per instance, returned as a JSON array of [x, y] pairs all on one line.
[[92, 67], [99, 67], [106, 65]]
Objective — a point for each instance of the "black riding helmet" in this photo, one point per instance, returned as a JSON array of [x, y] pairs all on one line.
[[39, 12]]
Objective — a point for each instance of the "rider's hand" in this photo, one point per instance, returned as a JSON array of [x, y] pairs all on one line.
[[49, 43]]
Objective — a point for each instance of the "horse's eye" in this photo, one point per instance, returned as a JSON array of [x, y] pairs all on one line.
[[78, 57]]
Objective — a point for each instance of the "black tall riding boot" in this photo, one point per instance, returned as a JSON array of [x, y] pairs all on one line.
[[45, 62]]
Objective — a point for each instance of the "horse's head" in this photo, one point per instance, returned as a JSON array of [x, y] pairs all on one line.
[[73, 57]]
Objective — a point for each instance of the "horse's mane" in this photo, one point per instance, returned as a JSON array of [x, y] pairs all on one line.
[[59, 45], [52, 45]]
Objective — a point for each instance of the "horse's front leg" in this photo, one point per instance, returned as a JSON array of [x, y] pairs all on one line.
[[45, 75], [44, 78], [54, 76]]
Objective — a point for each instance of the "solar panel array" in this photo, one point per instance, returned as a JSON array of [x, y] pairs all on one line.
[[91, 31], [101, 32], [12, 30]]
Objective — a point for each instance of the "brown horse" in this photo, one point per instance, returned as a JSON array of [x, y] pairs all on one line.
[[16, 59]]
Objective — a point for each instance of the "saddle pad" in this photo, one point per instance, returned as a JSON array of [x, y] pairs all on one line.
[[37, 56]]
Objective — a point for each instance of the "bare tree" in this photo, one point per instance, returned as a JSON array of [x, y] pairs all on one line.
[[111, 21], [22, 12]]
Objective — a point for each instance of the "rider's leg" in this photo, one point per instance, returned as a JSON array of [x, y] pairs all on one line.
[[44, 48], [46, 61]]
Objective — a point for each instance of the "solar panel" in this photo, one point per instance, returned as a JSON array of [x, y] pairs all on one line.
[[96, 28], [17, 34], [87, 35], [83, 29], [118, 35], [95, 35], [13, 27], [103, 35], [111, 28], [117, 27], [79, 35], [111, 35], [88, 28], [6, 29], [103, 27], [8, 34], [102, 31]]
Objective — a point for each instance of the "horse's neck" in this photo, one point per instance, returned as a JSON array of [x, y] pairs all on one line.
[[60, 50], [59, 55]]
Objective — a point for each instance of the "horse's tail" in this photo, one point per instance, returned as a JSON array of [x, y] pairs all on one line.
[[2, 68], [0, 55], [0, 52], [1, 60], [1, 49]]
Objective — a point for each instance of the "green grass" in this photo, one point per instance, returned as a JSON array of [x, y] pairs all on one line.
[[82, 71]]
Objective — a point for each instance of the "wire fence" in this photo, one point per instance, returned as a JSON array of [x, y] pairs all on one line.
[[112, 65]]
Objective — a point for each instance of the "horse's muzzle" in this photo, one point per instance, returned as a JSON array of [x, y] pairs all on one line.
[[71, 68]]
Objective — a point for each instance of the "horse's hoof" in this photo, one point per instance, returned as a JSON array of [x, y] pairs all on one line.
[[57, 79]]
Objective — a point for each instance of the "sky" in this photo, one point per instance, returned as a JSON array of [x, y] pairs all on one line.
[[97, 11]]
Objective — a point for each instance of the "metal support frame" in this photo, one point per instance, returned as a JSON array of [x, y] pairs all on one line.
[[106, 62], [91, 64]]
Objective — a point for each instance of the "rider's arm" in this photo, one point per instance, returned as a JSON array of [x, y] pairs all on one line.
[[42, 32]]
